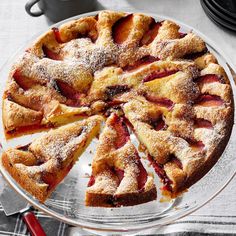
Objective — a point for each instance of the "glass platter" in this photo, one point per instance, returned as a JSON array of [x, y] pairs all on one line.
[[67, 201]]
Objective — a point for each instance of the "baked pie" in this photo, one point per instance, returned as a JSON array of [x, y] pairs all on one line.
[[163, 83]]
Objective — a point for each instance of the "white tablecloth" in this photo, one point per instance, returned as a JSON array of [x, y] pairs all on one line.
[[16, 27]]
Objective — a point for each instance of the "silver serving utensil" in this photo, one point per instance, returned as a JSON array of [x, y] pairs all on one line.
[[13, 203]]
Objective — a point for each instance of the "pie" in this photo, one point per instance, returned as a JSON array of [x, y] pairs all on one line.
[[118, 176], [134, 71]]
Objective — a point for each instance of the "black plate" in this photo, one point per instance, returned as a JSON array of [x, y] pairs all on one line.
[[215, 10], [216, 19], [227, 6]]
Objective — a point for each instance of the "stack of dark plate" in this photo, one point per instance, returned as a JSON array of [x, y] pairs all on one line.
[[222, 12]]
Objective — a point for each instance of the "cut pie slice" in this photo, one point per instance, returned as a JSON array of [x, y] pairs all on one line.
[[40, 166], [179, 146], [118, 176]]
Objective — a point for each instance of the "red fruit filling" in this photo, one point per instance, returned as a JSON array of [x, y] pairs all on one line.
[[119, 173], [198, 145], [121, 130], [163, 102], [50, 54], [111, 91], [175, 160], [151, 34], [159, 74], [182, 35], [142, 176], [158, 124], [202, 123], [23, 81], [57, 34], [122, 28], [69, 92], [91, 181], [210, 78], [193, 56], [161, 173], [142, 62], [207, 100]]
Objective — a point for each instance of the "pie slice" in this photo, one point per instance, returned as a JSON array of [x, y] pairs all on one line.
[[118, 176], [179, 141], [41, 165]]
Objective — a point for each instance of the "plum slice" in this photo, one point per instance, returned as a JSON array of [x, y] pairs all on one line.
[[208, 100], [158, 124], [160, 101], [151, 34], [209, 78], [140, 63], [202, 123], [51, 54], [68, 92], [121, 129], [121, 29], [159, 74], [197, 145], [23, 81], [57, 34]]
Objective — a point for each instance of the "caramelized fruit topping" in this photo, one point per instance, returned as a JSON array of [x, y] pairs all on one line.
[[57, 34], [158, 124], [151, 34], [159, 74], [23, 81], [121, 29], [210, 78], [50, 54], [207, 100], [121, 130], [202, 123], [163, 102], [161, 173], [142, 176], [197, 146], [139, 63]]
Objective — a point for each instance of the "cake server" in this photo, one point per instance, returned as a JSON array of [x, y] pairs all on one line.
[[12, 203]]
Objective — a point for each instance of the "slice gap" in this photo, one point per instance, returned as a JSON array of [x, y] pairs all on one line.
[[161, 173]]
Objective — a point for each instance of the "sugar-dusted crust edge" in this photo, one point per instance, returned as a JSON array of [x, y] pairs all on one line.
[[129, 199]]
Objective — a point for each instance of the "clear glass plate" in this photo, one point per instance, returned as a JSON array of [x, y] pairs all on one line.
[[67, 201]]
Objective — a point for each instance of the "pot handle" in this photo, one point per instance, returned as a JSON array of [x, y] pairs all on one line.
[[28, 7]]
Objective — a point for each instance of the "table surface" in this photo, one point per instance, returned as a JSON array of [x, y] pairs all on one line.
[[16, 27]]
